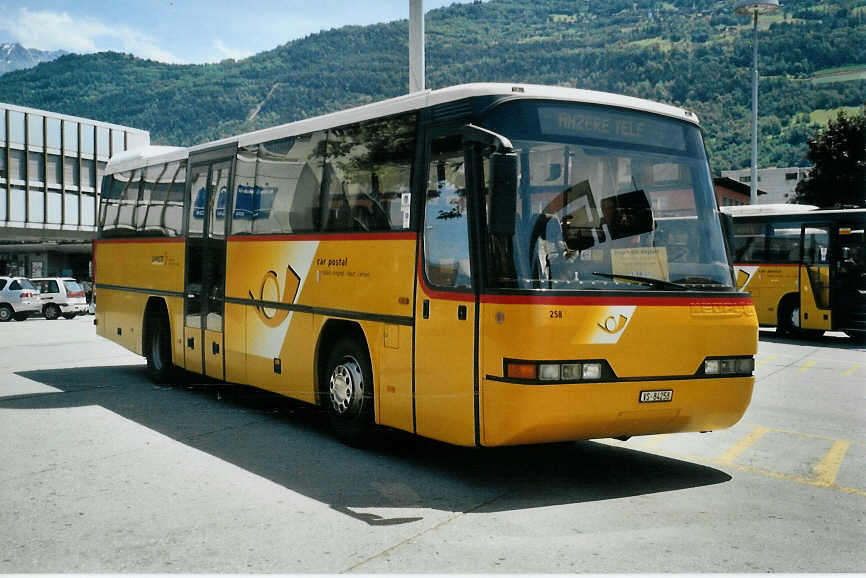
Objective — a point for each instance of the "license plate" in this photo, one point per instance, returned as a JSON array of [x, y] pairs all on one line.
[[656, 396]]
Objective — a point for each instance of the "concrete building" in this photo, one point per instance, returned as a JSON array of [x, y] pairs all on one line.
[[50, 172], [732, 193], [777, 183]]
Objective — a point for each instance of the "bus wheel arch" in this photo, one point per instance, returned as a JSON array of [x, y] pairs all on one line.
[[345, 380], [156, 343]]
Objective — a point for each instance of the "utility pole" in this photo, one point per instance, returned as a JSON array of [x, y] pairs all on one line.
[[416, 45], [753, 8]]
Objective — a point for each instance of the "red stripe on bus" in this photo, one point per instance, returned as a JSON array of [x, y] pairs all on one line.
[[619, 300], [398, 236]]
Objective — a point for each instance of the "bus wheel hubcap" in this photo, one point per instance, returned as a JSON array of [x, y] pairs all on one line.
[[347, 382], [795, 317]]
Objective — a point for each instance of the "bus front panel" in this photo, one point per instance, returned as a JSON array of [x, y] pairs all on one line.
[[629, 349]]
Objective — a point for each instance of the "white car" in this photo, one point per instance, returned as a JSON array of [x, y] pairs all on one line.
[[61, 296], [18, 299]]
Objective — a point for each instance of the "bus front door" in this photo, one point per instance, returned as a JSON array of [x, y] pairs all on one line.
[[815, 310], [849, 279], [205, 266], [445, 346]]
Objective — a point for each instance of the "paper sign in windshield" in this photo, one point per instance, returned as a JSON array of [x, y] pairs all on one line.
[[640, 261]]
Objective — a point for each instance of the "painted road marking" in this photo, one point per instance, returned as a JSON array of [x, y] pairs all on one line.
[[733, 452], [807, 365], [825, 471], [828, 468], [851, 370], [765, 358]]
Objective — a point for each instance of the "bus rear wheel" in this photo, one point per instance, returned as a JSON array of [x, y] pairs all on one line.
[[348, 383], [159, 351], [789, 316]]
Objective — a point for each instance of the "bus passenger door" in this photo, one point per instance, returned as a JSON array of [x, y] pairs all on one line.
[[445, 314], [206, 256], [815, 278], [848, 283]]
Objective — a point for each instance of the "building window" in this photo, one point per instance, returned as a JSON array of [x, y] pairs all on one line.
[[52, 132], [102, 142], [16, 127], [17, 165], [745, 179], [790, 176], [36, 166], [34, 129], [70, 136], [86, 139]]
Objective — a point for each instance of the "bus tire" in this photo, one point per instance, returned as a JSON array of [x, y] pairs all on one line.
[[158, 351], [348, 385], [789, 316]]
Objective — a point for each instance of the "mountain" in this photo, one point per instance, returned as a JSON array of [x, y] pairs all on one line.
[[692, 53], [13, 56]]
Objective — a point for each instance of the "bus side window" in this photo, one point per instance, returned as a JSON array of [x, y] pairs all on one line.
[[446, 230]]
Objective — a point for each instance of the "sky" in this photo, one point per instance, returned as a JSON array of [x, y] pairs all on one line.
[[185, 31]]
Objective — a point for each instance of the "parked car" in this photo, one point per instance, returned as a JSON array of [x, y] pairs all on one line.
[[61, 296], [18, 299]]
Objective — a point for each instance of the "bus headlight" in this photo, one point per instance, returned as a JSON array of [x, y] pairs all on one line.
[[591, 371], [726, 366], [549, 372], [557, 371]]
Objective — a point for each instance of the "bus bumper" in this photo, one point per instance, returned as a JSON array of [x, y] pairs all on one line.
[[514, 413]]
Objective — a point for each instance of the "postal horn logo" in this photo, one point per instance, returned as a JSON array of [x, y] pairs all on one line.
[[270, 286], [613, 323]]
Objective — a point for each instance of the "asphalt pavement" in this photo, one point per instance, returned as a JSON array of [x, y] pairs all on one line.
[[103, 471]]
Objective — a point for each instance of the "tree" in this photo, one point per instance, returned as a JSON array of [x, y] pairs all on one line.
[[838, 156]]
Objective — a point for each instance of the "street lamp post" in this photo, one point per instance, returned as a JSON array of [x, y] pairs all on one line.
[[753, 8]]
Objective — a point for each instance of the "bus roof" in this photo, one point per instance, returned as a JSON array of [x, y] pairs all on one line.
[[791, 212], [768, 209], [415, 101]]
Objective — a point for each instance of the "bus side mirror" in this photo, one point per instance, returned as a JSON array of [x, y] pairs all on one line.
[[503, 193]]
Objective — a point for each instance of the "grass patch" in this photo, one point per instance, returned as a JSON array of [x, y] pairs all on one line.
[[661, 43], [822, 116]]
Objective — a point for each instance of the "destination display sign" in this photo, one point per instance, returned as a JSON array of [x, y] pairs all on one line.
[[611, 125]]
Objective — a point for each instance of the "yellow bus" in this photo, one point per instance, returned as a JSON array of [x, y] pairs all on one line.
[[485, 265], [805, 268]]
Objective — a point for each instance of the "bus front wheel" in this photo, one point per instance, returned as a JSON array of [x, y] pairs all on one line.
[[348, 383]]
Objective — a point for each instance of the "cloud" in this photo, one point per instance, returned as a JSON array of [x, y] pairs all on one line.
[[227, 52], [48, 30]]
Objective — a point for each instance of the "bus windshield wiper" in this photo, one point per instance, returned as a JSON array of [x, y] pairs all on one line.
[[651, 281]]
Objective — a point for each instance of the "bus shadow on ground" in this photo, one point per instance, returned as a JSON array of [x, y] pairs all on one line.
[[835, 341], [290, 443]]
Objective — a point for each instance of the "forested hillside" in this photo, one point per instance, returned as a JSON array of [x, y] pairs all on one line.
[[694, 53]]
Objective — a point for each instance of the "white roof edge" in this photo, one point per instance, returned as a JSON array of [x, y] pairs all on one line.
[[133, 158], [69, 117], [418, 100]]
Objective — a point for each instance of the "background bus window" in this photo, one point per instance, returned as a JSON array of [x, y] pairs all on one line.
[[446, 232], [748, 242], [783, 243]]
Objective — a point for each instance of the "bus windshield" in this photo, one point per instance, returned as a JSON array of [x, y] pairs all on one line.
[[608, 199]]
